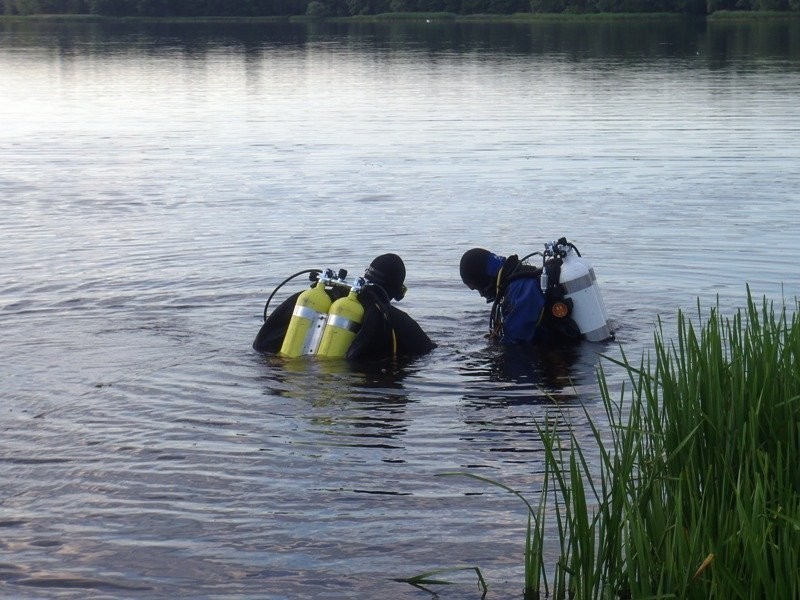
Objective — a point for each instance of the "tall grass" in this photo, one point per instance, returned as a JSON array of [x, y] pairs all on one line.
[[693, 489], [698, 492]]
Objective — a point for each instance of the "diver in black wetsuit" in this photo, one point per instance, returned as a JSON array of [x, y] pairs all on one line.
[[385, 332]]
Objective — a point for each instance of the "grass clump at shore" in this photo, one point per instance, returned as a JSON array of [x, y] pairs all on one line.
[[693, 489], [699, 488]]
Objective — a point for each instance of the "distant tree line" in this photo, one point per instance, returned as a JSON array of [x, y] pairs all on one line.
[[347, 8]]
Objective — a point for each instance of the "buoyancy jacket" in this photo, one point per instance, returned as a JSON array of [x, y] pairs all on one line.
[[519, 303], [519, 313]]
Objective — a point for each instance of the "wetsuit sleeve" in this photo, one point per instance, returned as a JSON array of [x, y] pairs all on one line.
[[411, 339], [270, 336], [522, 310], [374, 340]]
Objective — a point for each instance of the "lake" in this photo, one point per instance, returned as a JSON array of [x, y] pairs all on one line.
[[158, 181]]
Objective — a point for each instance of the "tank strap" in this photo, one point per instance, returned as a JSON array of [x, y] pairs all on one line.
[[554, 289], [566, 327], [305, 312], [343, 323]]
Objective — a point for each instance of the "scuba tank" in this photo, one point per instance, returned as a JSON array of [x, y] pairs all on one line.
[[571, 289], [308, 320], [345, 316], [304, 332]]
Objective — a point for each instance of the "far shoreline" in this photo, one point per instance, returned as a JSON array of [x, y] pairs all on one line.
[[518, 18]]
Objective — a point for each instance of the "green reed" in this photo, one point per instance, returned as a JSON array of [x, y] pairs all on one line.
[[692, 488], [698, 491]]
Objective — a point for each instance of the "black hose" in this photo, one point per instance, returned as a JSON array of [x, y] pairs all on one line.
[[527, 256], [284, 282], [494, 316]]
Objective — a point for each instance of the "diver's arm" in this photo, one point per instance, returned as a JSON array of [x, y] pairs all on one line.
[[411, 339]]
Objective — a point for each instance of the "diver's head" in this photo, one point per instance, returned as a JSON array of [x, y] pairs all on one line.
[[389, 272], [479, 269]]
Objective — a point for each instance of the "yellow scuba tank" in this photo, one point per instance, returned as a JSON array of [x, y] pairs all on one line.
[[344, 320], [308, 320]]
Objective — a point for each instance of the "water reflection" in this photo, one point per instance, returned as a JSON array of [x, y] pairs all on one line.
[[508, 376], [714, 42], [518, 392], [733, 41], [351, 404], [192, 39]]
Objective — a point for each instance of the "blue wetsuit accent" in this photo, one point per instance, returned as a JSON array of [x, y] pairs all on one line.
[[521, 309], [521, 304]]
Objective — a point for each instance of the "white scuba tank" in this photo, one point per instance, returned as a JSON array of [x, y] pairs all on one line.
[[579, 284]]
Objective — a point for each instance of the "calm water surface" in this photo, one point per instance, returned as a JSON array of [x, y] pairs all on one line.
[[157, 182]]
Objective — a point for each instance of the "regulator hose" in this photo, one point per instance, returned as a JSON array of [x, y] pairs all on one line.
[[527, 256], [495, 318], [287, 280]]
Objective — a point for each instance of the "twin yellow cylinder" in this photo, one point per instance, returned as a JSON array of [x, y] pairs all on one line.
[[321, 327]]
